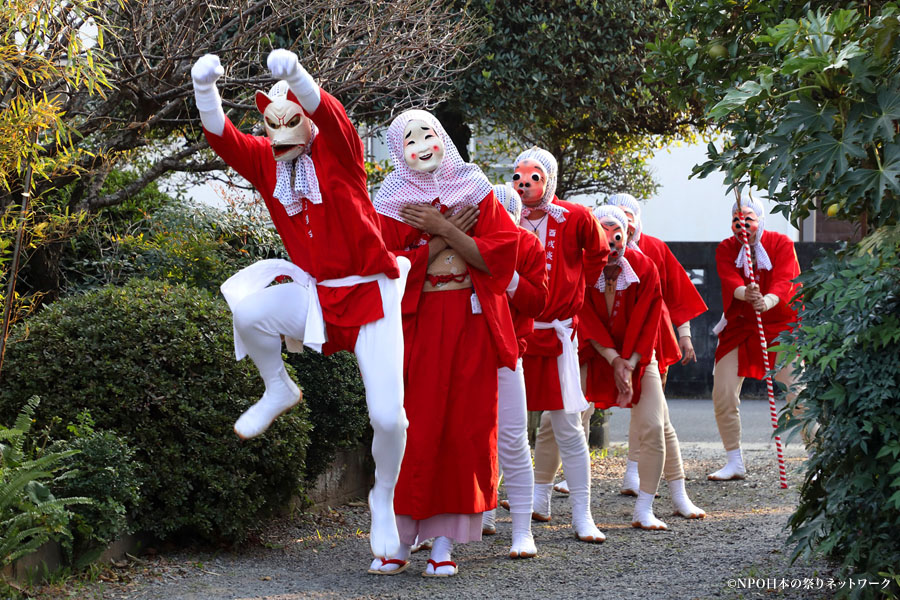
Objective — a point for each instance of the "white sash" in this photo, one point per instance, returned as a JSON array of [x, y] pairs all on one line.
[[259, 275], [567, 364]]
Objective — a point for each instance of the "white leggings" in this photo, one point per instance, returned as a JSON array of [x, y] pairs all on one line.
[[263, 317], [512, 439]]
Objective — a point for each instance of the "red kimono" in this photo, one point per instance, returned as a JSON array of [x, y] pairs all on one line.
[[576, 250], [452, 357], [531, 293], [337, 238], [632, 327], [742, 331], [681, 300]]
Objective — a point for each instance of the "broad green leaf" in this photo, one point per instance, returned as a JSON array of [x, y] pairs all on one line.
[[736, 98], [874, 182], [887, 115]]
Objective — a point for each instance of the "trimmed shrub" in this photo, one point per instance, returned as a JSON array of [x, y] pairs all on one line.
[[155, 363], [849, 341], [105, 470]]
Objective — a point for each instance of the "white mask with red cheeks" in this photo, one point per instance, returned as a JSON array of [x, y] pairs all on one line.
[[530, 181], [423, 148], [288, 129]]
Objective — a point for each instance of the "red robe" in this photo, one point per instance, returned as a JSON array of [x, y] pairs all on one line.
[[531, 293], [337, 238], [742, 331], [633, 327], [452, 356], [576, 251], [681, 300]]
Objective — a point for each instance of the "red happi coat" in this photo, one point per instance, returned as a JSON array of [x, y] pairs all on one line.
[[742, 331], [496, 237], [452, 357], [338, 237], [532, 292], [681, 300], [576, 250], [632, 327]]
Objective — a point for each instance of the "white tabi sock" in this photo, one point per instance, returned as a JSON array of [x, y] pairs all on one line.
[[631, 483], [522, 540], [733, 469], [542, 494], [643, 513], [378, 565], [440, 552], [489, 522], [281, 395], [683, 504]]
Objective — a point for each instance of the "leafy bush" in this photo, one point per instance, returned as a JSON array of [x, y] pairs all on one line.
[[30, 515], [170, 240], [849, 340], [154, 362], [334, 392], [107, 472]]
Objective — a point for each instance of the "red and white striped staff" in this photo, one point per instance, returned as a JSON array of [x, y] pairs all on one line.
[[770, 388]]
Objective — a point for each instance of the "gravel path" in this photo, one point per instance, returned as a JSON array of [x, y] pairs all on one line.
[[325, 556]]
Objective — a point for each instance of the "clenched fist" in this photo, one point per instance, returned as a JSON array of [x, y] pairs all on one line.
[[206, 71], [283, 64]]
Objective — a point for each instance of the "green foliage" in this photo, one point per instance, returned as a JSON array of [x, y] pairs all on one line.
[[568, 76], [808, 96], [155, 363], [106, 471], [174, 241], [334, 392], [849, 341], [30, 515]]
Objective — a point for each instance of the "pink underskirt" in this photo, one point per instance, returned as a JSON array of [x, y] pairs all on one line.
[[457, 527]]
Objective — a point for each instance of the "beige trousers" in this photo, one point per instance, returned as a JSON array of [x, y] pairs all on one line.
[[649, 424], [727, 396]]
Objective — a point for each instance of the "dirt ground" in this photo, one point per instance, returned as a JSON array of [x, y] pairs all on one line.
[[736, 552]]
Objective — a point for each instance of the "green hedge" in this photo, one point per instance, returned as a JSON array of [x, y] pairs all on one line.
[[155, 362], [849, 342]]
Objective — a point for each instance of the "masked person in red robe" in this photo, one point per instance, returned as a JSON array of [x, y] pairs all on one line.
[[739, 353], [347, 286], [441, 214], [574, 251], [618, 329], [681, 303], [527, 294]]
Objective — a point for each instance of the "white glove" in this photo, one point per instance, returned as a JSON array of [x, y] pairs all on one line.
[[284, 64], [204, 74]]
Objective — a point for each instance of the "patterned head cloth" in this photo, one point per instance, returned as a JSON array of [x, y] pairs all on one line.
[[454, 184], [762, 257], [551, 168], [509, 199]]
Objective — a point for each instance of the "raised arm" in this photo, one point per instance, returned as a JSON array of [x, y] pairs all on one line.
[[284, 64], [204, 74]]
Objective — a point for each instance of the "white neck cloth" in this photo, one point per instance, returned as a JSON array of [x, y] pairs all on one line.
[[455, 183], [626, 277]]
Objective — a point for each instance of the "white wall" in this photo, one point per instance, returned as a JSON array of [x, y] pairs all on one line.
[[693, 210]]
